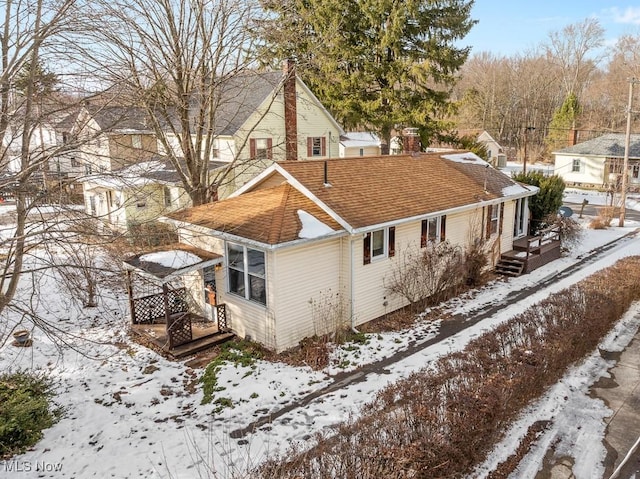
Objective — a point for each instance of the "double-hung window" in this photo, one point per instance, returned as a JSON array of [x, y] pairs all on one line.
[[379, 244], [433, 230], [261, 148], [316, 146], [493, 219], [575, 166], [246, 272]]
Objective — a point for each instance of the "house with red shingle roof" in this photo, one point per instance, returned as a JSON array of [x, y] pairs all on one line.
[[308, 235]]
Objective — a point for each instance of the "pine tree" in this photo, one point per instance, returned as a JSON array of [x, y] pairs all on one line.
[[563, 120], [376, 64]]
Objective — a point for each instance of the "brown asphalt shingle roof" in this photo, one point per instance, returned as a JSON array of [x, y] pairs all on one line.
[[364, 192], [268, 216], [371, 191]]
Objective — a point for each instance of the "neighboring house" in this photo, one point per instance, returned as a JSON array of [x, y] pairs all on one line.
[[137, 193], [599, 162], [112, 137], [56, 167], [495, 153], [260, 118], [272, 116], [306, 246], [360, 143]]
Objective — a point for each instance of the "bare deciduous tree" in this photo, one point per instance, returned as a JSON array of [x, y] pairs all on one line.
[[176, 59], [29, 34]]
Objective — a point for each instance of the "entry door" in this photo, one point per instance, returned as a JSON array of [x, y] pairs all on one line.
[[520, 223], [210, 292]]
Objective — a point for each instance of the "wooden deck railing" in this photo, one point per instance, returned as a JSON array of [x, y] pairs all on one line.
[[546, 236], [151, 309]]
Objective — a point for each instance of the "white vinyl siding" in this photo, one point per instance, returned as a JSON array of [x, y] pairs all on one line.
[[591, 170], [296, 287]]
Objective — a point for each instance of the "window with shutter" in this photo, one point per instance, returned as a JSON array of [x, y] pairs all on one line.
[[316, 146], [261, 148], [432, 230], [379, 244], [367, 249]]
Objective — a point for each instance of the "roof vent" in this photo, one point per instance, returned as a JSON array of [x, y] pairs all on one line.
[[326, 175]]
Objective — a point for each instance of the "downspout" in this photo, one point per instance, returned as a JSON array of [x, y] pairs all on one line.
[[351, 286]]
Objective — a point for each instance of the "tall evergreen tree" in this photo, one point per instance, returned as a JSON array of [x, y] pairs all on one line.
[[563, 120], [375, 64]]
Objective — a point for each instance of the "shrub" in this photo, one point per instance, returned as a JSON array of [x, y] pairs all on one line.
[[426, 275], [475, 261], [441, 421], [549, 198], [570, 230], [25, 411]]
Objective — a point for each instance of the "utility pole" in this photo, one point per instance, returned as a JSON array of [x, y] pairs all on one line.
[[527, 130], [625, 164]]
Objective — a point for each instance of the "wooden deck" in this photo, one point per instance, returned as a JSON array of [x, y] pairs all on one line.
[[204, 335], [530, 253]]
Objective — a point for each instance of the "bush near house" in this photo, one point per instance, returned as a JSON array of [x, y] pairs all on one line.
[[547, 201], [444, 420], [25, 411]]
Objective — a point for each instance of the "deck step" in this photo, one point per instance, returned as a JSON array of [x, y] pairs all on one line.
[[508, 266], [200, 345]]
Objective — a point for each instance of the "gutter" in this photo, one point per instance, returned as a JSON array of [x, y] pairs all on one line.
[[459, 209], [249, 242]]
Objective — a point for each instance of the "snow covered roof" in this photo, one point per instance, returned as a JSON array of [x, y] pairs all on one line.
[[159, 170], [167, 262], [359, 139]]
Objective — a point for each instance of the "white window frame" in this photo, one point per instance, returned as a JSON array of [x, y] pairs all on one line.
[[168, 200], [576, 162], [385, 244], [495, 218], [246, 273], [136, 141], [437, 238], [262, 148], [520, 219]]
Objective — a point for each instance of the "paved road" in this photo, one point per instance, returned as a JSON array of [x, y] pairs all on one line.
[[590, 210]]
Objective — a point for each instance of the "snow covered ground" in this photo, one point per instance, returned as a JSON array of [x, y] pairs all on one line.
[[131, 413]]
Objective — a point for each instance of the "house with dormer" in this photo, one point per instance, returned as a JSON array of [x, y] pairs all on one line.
[[304, 233]]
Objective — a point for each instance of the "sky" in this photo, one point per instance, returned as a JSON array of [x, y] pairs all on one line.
[[507, 28]]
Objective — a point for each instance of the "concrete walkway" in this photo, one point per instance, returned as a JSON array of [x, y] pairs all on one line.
[[621, 393]]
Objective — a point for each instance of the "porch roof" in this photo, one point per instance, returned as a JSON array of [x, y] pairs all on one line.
[[164, 263]]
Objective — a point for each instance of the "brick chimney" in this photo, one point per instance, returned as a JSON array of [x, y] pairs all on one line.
[[411, 141], [573, 136], [290, 110]]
